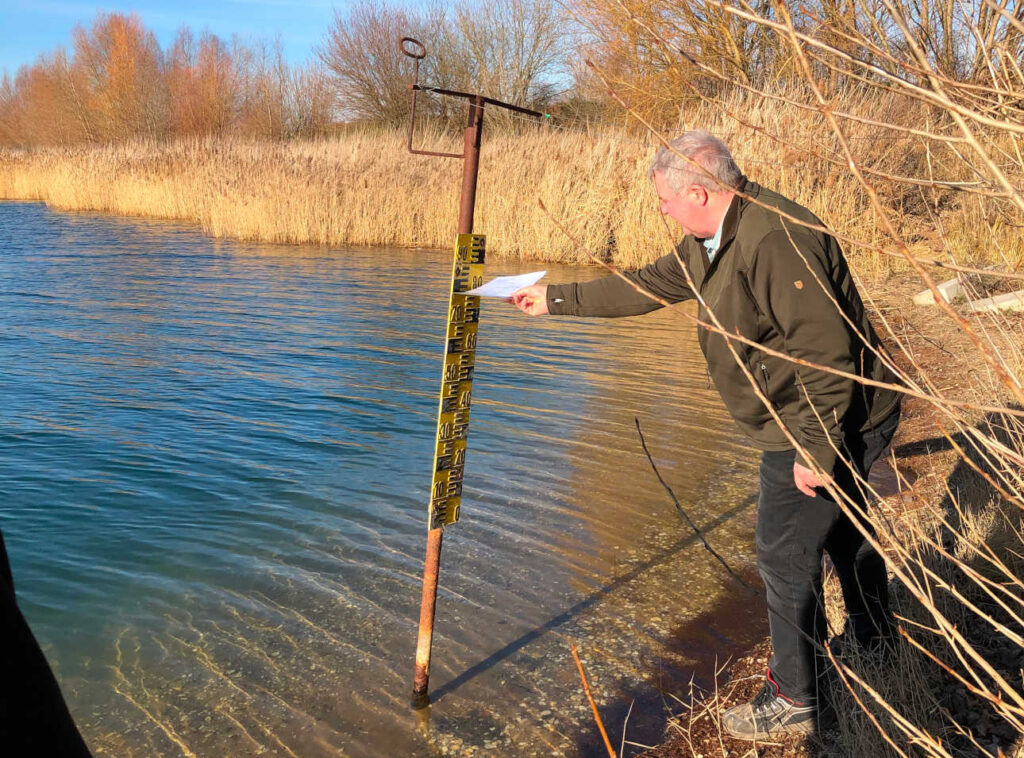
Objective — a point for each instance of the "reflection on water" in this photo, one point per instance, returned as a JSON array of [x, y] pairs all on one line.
[[215, 459]]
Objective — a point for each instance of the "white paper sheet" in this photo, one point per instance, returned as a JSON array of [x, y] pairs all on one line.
[[504, 286]]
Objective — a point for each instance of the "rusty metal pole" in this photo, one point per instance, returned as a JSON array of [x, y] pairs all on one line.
[[428, 603], [471, 164], [432, 563]]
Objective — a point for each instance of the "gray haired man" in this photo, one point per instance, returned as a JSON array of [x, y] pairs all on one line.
[[784, 285]]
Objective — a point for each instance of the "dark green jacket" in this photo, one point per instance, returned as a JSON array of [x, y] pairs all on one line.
[[766, 283]]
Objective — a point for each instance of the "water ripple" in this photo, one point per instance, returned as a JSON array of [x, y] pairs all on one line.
[[215, 459]]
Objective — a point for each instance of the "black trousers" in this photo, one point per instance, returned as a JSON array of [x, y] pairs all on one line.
[[792, 532], [34, 721]]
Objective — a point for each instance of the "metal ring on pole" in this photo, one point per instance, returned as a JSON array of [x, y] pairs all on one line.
[[421, 54]]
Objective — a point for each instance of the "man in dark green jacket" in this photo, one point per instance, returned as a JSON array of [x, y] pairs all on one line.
[[760, 269]]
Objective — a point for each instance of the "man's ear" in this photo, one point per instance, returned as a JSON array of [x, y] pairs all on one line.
[[701, 194]]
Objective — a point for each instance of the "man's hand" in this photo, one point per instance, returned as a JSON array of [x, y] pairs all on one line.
[[532, 300], [806, 480]]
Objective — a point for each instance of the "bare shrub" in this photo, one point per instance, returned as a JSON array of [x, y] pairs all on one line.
[[361, 54]]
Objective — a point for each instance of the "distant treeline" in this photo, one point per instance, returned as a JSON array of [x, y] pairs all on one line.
[[116, 84], [583, 59]]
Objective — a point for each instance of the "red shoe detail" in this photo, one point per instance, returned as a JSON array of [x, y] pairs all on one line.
[[778, 692]]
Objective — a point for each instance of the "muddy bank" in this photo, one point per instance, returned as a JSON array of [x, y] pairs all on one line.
[[928, 469]]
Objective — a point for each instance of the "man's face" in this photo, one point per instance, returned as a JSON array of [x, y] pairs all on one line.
[[688, 208]]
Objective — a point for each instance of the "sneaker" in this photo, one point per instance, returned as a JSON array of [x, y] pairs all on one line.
[[770, 714]]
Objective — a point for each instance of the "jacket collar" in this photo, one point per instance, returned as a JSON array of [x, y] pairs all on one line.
[[730, 225], [731, 222]]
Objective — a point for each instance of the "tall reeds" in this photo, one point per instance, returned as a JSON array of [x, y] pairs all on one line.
[[362, 187]]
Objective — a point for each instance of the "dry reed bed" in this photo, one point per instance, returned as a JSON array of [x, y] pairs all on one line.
[[365, 189]]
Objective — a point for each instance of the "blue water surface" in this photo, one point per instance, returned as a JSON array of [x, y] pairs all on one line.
[[214, 463]]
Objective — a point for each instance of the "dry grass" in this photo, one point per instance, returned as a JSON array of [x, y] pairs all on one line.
[[364, 188], [945, 527]]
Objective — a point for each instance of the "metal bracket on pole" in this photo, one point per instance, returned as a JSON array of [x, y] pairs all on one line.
[[460, 346]]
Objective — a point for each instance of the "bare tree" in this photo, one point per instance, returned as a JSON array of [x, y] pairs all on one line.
[[310, 101], [509, 49], [41, 104], [513, 50], [120, 65], [263, 81], [361, 54], [201, 83], [8, 105]]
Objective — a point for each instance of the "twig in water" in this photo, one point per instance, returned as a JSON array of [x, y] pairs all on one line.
[[686, 518], [593, 705], [622, 747]]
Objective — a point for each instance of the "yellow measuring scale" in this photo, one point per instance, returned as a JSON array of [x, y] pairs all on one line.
[[456, 381]]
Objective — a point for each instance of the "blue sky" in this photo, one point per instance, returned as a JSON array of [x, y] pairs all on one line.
[[32, 27]]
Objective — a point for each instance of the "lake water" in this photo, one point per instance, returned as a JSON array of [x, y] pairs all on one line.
[[214, 467]]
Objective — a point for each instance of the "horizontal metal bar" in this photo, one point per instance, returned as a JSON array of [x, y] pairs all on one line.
[[491, 101], [437, 155]]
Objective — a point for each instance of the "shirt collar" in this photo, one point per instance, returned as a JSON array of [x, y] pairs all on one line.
[[713, 243], [727, 228]]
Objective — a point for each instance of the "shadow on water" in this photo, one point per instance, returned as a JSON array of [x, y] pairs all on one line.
[[589, 601], [696, 651], [728, 628]]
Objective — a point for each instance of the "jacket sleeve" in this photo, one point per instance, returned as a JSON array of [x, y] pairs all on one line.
[[612, 296], [792, 281]]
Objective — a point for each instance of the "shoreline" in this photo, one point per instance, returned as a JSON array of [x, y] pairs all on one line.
[[365, 189], [358, 189]]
